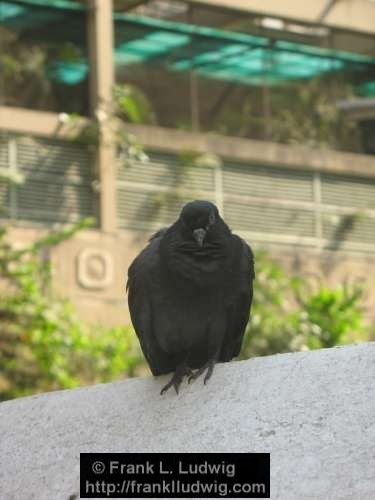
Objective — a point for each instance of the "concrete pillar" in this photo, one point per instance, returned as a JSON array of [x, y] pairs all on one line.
[[100, 43]]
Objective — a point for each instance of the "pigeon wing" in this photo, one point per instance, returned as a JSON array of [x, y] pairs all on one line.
[[239, 312], [143, 287]]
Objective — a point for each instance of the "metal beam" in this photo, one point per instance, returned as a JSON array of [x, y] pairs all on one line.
[[327, 8], [353, 15]]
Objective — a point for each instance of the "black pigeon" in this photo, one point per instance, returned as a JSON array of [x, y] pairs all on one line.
[[190, 293]]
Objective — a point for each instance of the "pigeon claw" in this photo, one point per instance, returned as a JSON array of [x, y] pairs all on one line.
[[209, 366], [177, 378]]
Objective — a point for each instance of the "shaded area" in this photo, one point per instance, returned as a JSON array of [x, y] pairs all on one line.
[[178, 46]]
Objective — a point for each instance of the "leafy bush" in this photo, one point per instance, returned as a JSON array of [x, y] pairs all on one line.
[[268, 331], [330, 316], [43, 343], [132, 105], [290, 314]]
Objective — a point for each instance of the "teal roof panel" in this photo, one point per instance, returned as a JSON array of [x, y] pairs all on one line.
[[176, 46]]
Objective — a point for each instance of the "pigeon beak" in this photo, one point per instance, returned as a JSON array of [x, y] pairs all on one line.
[[199, 235]]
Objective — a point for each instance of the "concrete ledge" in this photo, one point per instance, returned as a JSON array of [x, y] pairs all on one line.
[[253, 151], [264, 153], [314, 412]]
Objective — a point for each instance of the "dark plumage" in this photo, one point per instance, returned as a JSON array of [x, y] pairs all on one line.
[[190, 293]]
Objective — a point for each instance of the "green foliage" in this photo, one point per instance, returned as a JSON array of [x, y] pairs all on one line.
[[300, 112], [43, 344], [269, 331], [289, 314], [22, 69], [331, 316], [307, 113], [132, 105], [31, 73]]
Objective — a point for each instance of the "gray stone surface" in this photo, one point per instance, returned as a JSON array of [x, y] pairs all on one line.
[[314, 412]]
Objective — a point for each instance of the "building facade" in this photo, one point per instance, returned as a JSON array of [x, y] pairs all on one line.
[[312, 208]]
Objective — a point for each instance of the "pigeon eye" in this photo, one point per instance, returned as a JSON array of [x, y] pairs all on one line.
[[211, 218]]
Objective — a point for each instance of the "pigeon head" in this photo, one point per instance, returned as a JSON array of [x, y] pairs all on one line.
[[197, 218]]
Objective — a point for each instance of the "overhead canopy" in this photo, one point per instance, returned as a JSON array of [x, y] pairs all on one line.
[[177, 46], [356, 15], [226, 55]]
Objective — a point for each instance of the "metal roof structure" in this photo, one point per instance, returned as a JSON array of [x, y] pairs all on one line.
[[355, 15], [226, 55], [177, 46]]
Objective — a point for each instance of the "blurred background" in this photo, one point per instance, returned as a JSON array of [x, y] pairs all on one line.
[[113, 114]]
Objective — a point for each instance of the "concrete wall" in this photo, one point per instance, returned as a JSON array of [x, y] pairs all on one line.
[[91, 269], [313, 412]]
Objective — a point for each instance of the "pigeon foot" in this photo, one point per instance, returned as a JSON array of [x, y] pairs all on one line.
[[209, 366], [177, 378]]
